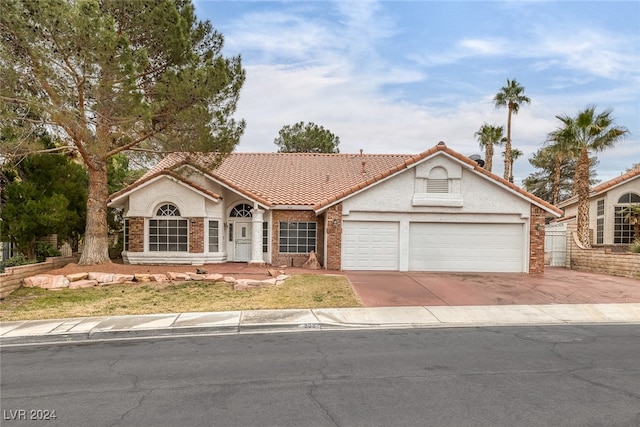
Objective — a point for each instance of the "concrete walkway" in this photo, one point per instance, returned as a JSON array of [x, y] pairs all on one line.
[[233, 322]]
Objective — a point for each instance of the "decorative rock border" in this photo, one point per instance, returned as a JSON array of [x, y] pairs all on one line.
[[92, 279]]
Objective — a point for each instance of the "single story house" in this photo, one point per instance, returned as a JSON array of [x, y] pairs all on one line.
[[607, 202], [433, 211]]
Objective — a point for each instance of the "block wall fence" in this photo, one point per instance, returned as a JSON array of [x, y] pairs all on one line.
[[12, 277]]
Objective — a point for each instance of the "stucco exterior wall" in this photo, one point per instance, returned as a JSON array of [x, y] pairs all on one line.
[[482, 201], [610, 198], [146, 200], [477, 193]]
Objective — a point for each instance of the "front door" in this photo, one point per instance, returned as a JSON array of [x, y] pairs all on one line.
[[242, 238]]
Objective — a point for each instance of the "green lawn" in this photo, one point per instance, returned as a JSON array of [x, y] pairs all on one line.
[[299, 291]]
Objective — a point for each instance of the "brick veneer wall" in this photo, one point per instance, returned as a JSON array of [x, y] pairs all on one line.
[[136, 234], [196, 235], [295, 216], [334, 237], [536, 240], [600, 260]]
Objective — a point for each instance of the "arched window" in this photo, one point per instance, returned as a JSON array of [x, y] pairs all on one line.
[[168, 235], [168, 210], [242, 210], [622, 228], [629, 198]]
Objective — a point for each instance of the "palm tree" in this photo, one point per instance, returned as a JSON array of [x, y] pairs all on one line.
[[488, 136], [515, 155], [562, 150], [588, 132], [632, 216], [510, 96]]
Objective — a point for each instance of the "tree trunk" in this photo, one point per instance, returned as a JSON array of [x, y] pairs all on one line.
[[96, 239], [507, 149], [488, 157], [582, 184], [556, 181]]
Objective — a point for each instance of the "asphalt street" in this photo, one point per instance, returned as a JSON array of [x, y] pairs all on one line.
[[494, 376]]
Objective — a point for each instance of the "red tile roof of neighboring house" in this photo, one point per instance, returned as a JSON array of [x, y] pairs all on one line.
[[601, 188], [310, 179]]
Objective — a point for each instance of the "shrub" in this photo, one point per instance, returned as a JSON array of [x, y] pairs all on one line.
[[635, 246], [18, 259], [44, 250]]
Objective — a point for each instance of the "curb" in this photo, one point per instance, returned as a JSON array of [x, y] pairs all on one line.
[[82, 330]]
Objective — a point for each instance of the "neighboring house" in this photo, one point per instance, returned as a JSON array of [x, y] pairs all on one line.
[[606, 204], [434, 211]]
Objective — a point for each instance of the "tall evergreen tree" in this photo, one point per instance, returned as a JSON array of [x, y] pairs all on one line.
[[112, 76], [306, 138], [510, 96]]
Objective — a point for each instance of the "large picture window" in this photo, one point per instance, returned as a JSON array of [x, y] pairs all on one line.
[[297, 237], [168, 235]]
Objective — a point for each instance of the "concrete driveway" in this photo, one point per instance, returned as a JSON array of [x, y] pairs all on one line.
[[555, 286]]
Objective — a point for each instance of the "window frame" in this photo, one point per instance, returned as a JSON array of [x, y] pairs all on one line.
[[167, 231], [297, 237], [215, 235]]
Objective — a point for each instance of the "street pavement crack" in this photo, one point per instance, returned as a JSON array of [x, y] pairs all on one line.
[[311, 392], [135, 379]]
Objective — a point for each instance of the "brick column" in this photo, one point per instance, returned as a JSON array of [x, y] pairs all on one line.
[[536, 240], [196, 235], [136, 234], [334, 237]]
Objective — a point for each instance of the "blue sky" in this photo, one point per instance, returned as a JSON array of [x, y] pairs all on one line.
[[399, 76]]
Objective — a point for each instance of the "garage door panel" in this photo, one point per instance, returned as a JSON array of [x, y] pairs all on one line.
[[370, 245], [466, 247]]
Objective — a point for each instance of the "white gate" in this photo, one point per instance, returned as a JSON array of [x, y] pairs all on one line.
[[555, 245]]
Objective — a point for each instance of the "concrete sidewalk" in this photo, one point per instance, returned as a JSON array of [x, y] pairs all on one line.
[[157, 325]]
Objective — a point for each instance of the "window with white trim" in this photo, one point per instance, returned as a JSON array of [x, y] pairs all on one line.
[[265, 237], [168, 235], [297, 237], [622, 228], [242, 210], [214, 236], [600, 222], [125, 240]]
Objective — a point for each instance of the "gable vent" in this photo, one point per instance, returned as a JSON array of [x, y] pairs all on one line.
[[437, 185]]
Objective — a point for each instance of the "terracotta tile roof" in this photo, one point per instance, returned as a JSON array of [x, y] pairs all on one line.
[[300, 179], [601, 188], [313, 180]]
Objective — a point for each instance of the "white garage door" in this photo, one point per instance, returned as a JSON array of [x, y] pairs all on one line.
[[466, 247], [369, 245]]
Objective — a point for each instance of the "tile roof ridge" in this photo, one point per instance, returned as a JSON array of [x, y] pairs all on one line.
[[606, 185], [617, 180]]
